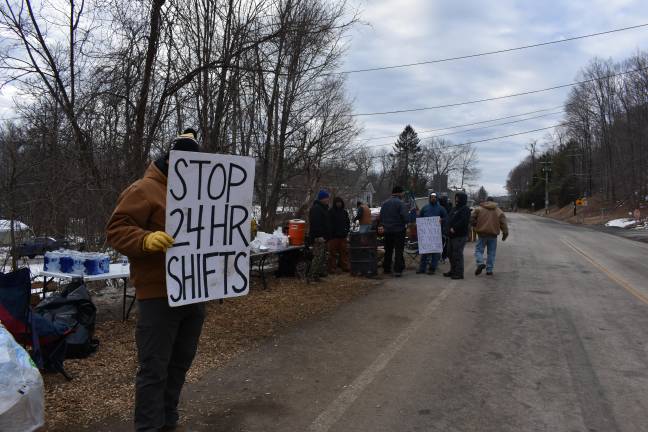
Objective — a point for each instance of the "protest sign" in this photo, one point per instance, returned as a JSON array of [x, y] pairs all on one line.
[[208, 213], [428, 231]]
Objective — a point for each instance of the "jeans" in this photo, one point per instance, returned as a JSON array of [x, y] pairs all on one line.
[[489, 243], [455, 251], [434, 261], [364, 229], [167, 339], [394, 245]]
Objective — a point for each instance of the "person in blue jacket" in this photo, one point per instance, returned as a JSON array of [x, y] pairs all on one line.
[[433, 208]]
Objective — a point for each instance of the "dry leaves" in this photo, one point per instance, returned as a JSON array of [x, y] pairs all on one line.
[[103, 384]]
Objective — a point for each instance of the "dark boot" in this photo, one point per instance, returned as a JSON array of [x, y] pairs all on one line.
[[447, 274], [456, 277], [480, 268]]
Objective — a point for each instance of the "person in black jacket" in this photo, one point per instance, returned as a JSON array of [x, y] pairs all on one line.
[[458, 225], [443, 200], [393, 218], [337, 245], [319, 232]]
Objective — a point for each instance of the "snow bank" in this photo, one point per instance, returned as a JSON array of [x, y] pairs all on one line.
[[621, 223]]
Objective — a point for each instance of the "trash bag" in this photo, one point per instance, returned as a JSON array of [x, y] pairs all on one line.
[[22, 402], [73, 306]]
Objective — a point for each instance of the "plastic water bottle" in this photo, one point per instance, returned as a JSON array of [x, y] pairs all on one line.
[[79, 260], [51, 263], [66, 262], [124, 261], [105, 263], [91, 263]]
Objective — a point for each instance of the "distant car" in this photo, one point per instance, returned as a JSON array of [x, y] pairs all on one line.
[[39, 245]]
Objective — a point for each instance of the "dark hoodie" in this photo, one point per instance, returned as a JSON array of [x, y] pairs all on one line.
[[339, 220], [319, 222], [459, 219]]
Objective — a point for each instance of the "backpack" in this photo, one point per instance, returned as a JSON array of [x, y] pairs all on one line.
[[73, 307]]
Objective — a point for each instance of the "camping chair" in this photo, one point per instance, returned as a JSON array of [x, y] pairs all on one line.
[[46, 338]]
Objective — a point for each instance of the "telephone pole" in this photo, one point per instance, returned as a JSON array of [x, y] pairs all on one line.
[[546, 168]]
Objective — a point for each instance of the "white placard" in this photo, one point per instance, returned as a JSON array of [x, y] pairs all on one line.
[[428, 233], [208, 213]]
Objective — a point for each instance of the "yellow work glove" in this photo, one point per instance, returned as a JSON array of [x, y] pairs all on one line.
[[157, 241]]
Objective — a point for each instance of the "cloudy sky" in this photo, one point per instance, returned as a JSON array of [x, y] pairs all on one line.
[[408, 31]]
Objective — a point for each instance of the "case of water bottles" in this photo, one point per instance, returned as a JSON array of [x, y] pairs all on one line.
[[75, 262]]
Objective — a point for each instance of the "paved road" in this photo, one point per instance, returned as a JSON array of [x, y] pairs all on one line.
[[556, 341]]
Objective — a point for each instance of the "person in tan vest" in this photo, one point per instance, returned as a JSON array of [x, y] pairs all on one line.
[[363, 217], [166, 337], [488, 221]]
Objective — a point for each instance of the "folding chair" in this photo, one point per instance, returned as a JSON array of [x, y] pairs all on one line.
[[46, 338]]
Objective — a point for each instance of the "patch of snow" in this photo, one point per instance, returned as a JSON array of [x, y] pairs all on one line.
[[621, 223]]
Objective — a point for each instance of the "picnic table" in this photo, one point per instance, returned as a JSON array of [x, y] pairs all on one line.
[[117, 272], [261, 259]]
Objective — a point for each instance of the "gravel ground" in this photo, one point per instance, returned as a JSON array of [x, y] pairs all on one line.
[[103, 383]]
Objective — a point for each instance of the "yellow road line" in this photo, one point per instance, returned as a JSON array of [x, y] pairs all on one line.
[[620, 281]]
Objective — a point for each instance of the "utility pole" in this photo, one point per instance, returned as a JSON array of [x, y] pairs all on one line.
[[546, 168]]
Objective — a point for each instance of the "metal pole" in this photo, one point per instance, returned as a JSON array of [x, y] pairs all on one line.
[[546, 190]]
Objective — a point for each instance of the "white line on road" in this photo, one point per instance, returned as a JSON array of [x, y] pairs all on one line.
[[339, 406]]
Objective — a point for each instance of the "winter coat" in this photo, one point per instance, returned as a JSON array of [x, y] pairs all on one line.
[[394, 215], [364, 215], [140, 210], [488, 220], [319, 224], [339, 220], [431, 210], [459, 219]]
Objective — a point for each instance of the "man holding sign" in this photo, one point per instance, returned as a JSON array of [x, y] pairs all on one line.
[[434, 242], [166, 337]]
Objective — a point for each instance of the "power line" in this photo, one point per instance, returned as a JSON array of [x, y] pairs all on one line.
[[475, 123], [487, 53], [493, 138], [464, 143], [475, 101]]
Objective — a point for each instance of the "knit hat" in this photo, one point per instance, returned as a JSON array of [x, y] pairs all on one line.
[[323, 195], [185, 142], [191, 131], [397, 190]]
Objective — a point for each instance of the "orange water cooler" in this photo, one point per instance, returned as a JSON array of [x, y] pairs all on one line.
[[296, 232]]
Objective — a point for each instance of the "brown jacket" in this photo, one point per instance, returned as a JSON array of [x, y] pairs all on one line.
[[365, 218], [488, 220], [141, 209]]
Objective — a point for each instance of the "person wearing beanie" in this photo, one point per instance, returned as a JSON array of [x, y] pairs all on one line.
[[338, 248], [432, 209], [166, 337], [458, 224], [393, 218], [183, 142], [319, 232]]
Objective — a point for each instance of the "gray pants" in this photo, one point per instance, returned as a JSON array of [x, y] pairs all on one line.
[[456, 254], [167, 339]]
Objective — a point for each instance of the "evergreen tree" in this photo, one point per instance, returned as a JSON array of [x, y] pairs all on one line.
[[406, 157], [482, 194]]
